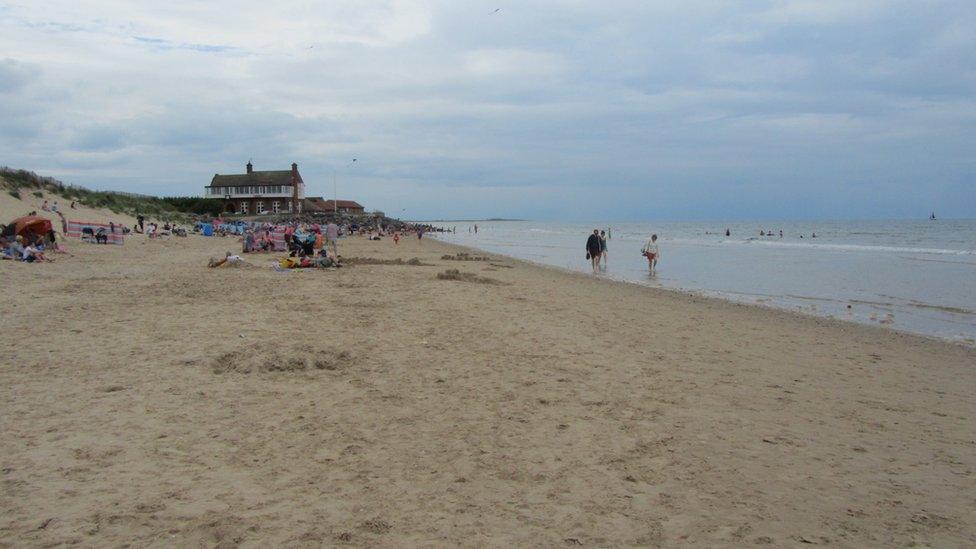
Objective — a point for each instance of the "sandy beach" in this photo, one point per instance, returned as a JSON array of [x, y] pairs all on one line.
[[152, 401]]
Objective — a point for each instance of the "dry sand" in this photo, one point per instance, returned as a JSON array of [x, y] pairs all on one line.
[[149, 400]]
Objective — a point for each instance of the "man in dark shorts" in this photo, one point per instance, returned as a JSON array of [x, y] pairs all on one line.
[[594, 250]]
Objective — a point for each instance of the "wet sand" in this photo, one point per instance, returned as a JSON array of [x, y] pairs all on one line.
[[152, 401]]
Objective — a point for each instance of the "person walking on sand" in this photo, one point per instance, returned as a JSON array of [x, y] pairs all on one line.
[[603, 248], [594, 250], [651, 252], [332, 238]]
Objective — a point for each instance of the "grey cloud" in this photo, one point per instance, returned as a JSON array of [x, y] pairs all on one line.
[[697, 106], [14, 75]]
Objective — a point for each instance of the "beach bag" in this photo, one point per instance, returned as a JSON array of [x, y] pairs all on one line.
[[286, 263]]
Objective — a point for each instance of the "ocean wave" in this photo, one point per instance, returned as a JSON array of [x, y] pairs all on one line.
[[858, 247]]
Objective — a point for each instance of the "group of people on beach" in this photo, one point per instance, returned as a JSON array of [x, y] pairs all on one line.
[[596, 250], [30, 249], [309, 245]]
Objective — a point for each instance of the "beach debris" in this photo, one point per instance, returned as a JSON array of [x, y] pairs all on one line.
[[113, 389], [464, 256], [454, 274]]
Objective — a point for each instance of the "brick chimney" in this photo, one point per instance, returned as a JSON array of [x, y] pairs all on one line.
[[250, 168]]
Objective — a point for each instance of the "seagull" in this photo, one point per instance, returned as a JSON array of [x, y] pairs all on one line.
[[496, 11]]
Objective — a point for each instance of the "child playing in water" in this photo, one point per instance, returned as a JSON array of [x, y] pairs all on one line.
[[651, 252]]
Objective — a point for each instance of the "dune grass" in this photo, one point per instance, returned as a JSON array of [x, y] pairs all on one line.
[[175, 208]]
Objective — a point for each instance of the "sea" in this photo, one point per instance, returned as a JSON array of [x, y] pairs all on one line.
[[916, 276]]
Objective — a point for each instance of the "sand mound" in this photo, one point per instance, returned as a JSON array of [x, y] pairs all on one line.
[[258, 358], [413, 261], [464, 256], [454, 274]]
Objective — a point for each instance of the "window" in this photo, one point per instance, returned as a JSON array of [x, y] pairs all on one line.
[[275, 206], [299, 206], [243, 206], [289, 206], [259, 207]]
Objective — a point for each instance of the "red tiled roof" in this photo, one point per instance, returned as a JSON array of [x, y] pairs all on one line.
[[328, 205]]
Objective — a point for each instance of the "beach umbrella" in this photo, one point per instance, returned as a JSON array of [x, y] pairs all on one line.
[[29, 224]]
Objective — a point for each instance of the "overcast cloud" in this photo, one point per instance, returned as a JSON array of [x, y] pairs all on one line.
[[621, 110]]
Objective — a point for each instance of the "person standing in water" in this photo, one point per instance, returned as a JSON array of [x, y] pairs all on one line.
[[594, 250], [651, 252], [603, 248]]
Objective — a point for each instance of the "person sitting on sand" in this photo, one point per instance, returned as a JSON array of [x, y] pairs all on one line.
[[45, 207], [6, 248], [34, 253], [229, 259], [651, 252]]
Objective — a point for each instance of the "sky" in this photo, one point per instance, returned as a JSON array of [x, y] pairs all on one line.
[[539, 109]]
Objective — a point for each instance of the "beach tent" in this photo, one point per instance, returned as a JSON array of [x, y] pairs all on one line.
[[29, 224]]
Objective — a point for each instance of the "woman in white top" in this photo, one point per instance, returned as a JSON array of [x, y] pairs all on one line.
[[651, 252]]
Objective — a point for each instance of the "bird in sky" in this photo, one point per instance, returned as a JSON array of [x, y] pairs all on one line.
[[496, 11]]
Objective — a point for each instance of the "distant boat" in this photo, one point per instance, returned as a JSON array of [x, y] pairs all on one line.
[[932, 217]]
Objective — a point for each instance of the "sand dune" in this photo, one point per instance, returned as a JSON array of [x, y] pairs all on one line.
[[149, 400]]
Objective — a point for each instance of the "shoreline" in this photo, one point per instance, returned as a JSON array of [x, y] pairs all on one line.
[[702, 294]]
